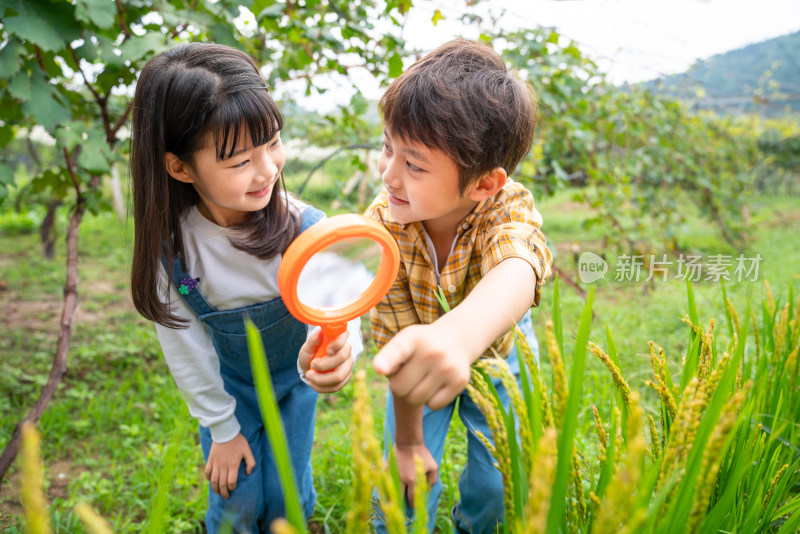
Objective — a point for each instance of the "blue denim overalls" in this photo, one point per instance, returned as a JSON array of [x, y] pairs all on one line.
[[258, 497]]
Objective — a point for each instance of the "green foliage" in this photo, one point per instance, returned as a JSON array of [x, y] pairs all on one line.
[[68, 68], [726, 463], [117, 376], [641, 156]]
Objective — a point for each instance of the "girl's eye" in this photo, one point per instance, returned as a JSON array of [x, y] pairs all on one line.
[[275, 143], [240, 165]]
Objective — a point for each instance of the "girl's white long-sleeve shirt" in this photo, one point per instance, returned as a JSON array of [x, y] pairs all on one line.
[[229, 279]]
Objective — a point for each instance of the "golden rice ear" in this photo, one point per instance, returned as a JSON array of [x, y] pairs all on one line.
[[281, 526], [93, 522], [34, 502]]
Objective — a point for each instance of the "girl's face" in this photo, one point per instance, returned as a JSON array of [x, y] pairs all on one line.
[[231, 188]]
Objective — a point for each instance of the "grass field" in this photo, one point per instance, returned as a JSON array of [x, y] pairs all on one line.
[[117, 410]]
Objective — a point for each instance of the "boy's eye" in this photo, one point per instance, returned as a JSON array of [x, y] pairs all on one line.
[[412, 167], [387, 148]]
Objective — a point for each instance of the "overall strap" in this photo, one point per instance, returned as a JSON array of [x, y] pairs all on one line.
[[311, 216], [185, 284]]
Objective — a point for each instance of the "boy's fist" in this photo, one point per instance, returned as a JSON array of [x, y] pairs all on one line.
[[425, 365]]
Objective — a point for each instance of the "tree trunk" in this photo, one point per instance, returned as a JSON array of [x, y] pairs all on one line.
[[62, 348]]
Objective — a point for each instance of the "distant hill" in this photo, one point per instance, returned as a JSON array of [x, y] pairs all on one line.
[[762, 77]]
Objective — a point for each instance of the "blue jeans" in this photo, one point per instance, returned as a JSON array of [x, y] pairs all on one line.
[[480, 507]]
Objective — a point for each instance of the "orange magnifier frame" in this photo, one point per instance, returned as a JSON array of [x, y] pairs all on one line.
[[333, 321]]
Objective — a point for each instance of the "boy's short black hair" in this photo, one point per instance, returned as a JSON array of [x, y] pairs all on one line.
[[461, 99]]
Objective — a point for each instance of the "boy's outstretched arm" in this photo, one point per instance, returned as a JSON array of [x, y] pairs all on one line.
[[429, 364]]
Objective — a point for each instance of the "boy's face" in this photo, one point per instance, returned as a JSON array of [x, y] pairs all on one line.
[[422, 183]]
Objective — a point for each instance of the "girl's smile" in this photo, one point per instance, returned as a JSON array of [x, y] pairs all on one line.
[[261, 192]]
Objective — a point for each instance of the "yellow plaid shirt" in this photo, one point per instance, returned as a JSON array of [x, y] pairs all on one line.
[[506, 225]]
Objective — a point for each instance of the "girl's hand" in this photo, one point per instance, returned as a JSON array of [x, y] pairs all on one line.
[[222, 469], [407, 467], [331, 372]]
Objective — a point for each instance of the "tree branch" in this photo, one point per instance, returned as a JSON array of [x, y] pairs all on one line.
[[122, 118], [121, 17], [72, 173], [62, 348], [101, 100], [325, 159]]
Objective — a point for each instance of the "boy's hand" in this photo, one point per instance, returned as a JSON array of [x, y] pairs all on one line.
[[430, 363], [407, 467], [426, 364], [222, 469], [331, 372]]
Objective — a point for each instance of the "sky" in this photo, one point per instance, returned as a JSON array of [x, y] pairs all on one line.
[[631, 40]]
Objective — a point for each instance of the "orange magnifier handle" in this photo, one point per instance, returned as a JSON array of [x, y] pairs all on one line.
[[323, 234]]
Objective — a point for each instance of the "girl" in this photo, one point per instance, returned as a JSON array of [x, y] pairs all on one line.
[[212, 220]]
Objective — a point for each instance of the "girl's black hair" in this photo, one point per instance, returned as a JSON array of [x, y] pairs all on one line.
[[183, 96]]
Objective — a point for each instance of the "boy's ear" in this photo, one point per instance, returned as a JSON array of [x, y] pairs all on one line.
[[489, 184], [177, 168]]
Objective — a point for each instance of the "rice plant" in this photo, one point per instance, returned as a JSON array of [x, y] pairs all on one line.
[[719, 453], [723, 456]]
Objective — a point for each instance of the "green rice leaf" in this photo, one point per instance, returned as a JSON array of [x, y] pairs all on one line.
[[695, 342], [556, 515], [557, 325], [692, 306], [439, 293], [678, 513], [532, 402], [728, 317], [792, 525], [654, 502], [607, 470], [614, 355], [519, 482], [788, 508], [274, 426], [158, 516]]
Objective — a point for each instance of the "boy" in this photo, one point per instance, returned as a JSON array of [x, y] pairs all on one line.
[[456, 124]]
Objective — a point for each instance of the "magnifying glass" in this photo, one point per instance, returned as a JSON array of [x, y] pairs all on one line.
[[339, 228]]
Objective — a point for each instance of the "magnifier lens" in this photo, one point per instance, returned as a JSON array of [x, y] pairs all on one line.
[[338, 275], [350, 239]]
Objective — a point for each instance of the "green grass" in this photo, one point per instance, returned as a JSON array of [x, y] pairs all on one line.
[[106, 431]]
